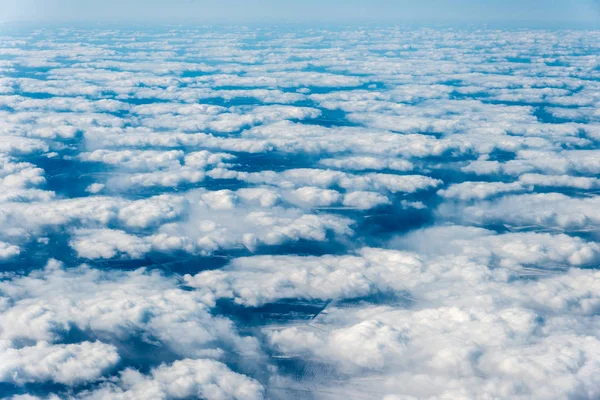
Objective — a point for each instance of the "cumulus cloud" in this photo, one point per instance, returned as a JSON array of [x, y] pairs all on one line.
[[479, 190], [8, 251], [22, 220], [359, 163], [107, 243], [69, 364], [564, 181], [215, 220], [194, 118], [136, 160], [259, 280], [520, 248], [207, 379], [446, 352], [329, 178], [150, 168], [44, 305], [212, 228], [472, 327], [546, 210], [365, 200], [546, 162], [419, 207], [21, 181]]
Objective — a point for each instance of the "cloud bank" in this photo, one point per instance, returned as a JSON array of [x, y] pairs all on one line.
[[392, 213]]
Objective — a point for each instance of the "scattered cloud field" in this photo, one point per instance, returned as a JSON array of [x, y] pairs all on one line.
[[249, 213]]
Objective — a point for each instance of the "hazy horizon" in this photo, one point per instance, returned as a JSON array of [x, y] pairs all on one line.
[[517, 13]]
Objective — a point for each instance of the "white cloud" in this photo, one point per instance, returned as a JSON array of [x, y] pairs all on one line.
[[136, 160], [207, 221], [168, 178], [568, 181], [283, 79], [547, 162], [8, 251], [107, 243], [479, 190], [199, 221], [114, 306], [446, 352], [289, 137], [365, 200], [468, 331], [359, 163], [502, 306], [369, 344], [263, 279], [95, 188], [69, 364], [150, 168], [293, 178], [528, 248], [21, 181], [313, 196], [217, 224], [545, 211], [19, 145], [186, 378], [22, 220], [195, 118]]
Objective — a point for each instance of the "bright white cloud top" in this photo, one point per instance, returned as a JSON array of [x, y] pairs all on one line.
[[249, 213]]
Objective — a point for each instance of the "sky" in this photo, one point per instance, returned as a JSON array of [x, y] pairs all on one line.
[[533, 12]]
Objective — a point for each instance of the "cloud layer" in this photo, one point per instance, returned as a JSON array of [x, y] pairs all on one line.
[[255, 213]]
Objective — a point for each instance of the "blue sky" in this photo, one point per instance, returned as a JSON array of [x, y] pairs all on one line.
[[425, 11]]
